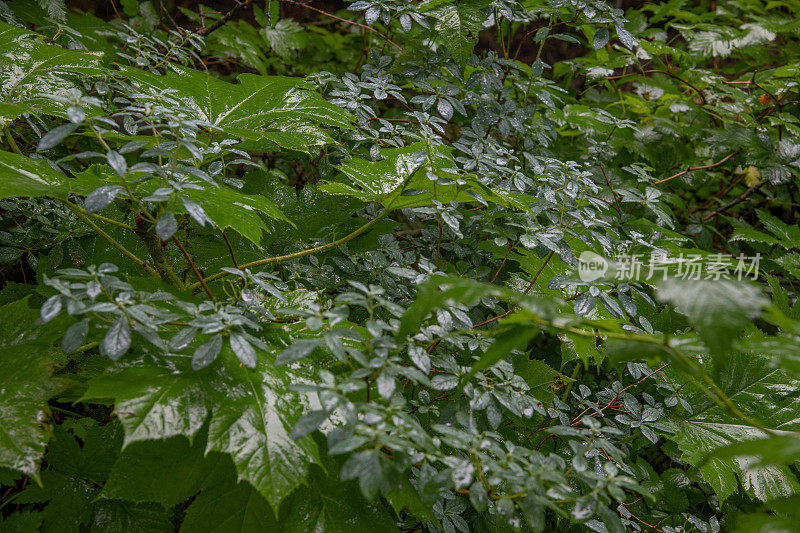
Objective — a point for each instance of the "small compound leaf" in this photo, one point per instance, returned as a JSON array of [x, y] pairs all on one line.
[[600, 38], [297, 350], [118, 339], [75, 336], [166, 226], [243, 350], [51, 308], [308, 423], [102, 197], [55, 136], [205, 354], [117, 162]]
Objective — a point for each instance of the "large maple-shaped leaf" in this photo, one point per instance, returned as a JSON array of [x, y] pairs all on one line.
[[262, 109], [331, 505], [154, 401], [26, 383], [226, 506], [25, 176], [32, 72], [764, 393], [408, 169], [457, 26], [250, 414], [719, 309], [164, 471]]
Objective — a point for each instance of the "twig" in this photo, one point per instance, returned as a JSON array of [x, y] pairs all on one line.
[[368, 28], [224, 19], [670, 74], [526, 291], [194, 267], [303, 253], [230, 248], [11, 142], [111, 240], [608, 182], [718, 163], [508, 251], [736, 201]]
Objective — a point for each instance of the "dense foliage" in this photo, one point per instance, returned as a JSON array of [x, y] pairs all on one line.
[[271, 266]]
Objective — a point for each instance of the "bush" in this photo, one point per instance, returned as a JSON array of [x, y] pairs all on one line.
[[420, 266]]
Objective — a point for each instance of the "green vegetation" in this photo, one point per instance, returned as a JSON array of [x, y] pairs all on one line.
[[274, 266]]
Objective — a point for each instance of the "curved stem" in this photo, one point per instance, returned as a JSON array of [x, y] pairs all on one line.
[[11, 142], [303, 253], [111, 240]]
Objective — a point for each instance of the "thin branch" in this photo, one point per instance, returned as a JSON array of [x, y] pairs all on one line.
[[368, 28], [670, 74], [608, 182], [508, 251], [736, 201], [718, 163], [230, 248], [194, 267], [303, 253], [224, 19], [11, 142], [111, 240], [526, 291]]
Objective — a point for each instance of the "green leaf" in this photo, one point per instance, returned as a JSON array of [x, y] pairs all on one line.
[[580, 347], [759, 391], [327, 504], [165, 471], [56, 9], [407, 497], [9, 113], [153, 402], [26, 383], [538, 375], [749, 234], [34, 72], [719, 309], [23, 176], [229, 208], [128, 517], [74, 472], [600, 38], [262, 109], [786, 233], [225, 506], [457, 27], [515, 337], [253, 415], [250, 414]]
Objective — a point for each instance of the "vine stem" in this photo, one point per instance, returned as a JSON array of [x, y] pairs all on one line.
[[11, 142], [297, 255], [331, 15], [194, 267], [111, 240], [692, 169], [225, 18], [710, 388]]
